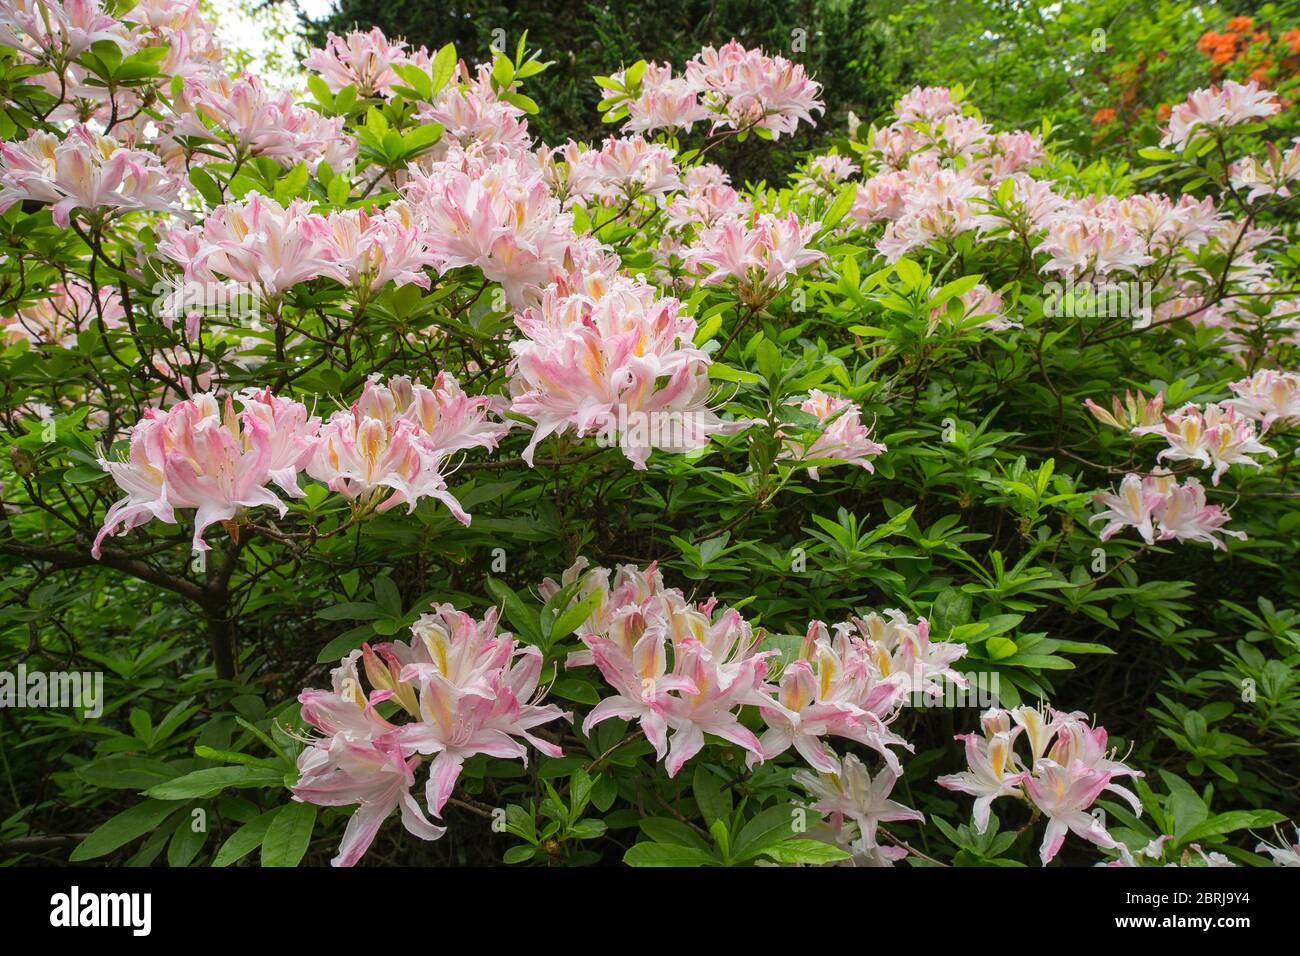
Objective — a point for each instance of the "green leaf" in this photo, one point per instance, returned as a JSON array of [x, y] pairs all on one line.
[[207, 187], [769, 359], [575, 615], [344, 644], [289, 835], [206, 783], [291, 184], [714, 802], [125, 772], [245, 840], [387, 595], [721, 372], [517, 613], [131, 823], [1230, 821], [909, 272], [519, 854], [805, 851], [186, 842], [1000, 647], [659, 854], [231, 756], [674, 832], [766, 829], [444, 64]]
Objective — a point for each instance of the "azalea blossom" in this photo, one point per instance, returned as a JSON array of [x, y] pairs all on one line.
[[203, 455], [251, 120], [842, 436], [61, 30], [614, 359], [61, 313], [363, 60], [472, 122], [1269, 396], [465, 688], [1218, 436], [624, 169], [1068, 769], [475, 689], [851, 794], [826, 172], [926, 105], [259, 243], [992, 770], [1273, 177], [1285, 854], [714, 669], [665, 101], [759, 255], [357, 761], [745, 89], [979, 307], [854, 685], [1162, 510], [1217, 108], [84, 170], [372, 249], [392, 445], [1135, 411], [500, 217]]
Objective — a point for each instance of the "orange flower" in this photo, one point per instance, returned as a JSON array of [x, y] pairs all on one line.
[[1292, 39], [1103, 116], [1240, 24], [1164, 112]]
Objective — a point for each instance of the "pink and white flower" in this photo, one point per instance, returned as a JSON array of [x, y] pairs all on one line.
[[85, 171], [1162, 510], [199, 455], [1217, 108], [842, 436]]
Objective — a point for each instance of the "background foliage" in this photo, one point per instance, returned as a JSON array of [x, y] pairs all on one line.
[[977, 518]]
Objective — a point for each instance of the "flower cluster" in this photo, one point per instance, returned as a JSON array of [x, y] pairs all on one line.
[[391, 447], [612, 357], [715, 667], [200, 454], [729, 86], [499, 216], [1215, 109], [1273, 177], [842, 435], [260, 244], [363, 60], [854, 684], [203, 455], [1135, 411], [61, 313], [86, 171], [855, 804], [1067, 770], [1269, 397], [1217, 436], [1162, 510], [759, 254], [676, 665], [460, 688], [243, 117], [622, 170]]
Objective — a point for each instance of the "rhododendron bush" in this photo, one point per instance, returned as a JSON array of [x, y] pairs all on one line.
[[400, 487]]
